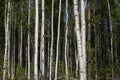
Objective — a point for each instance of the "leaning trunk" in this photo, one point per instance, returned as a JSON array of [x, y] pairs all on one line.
[[58, 39], [66, 41], [52, 37]]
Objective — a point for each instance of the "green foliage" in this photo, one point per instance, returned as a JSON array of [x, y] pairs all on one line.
[[20, 73]]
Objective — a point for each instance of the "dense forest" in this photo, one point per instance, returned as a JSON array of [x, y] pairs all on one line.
[[60, 39]]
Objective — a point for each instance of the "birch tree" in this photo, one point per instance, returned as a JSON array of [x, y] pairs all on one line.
[[21, 37], [58, 39], [36, 41], [111, 39], [28, 47], [83, 33], [79, 44], [52, 38], [6, 20], [9, 34], [42, 44], [66, 41]]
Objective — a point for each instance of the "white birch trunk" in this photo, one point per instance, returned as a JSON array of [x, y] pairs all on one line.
[[8, 65], [42, 44], [66, 41], [28, 47], [83, 32], [6, 20], [79, 44], [36, 41], [58, 39], [21, 36], [52, 37], [111, 39]]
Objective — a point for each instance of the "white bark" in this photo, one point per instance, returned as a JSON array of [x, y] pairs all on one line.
[[36, 42], [42, 43], [79, 44], [111, 39], [9, 27], [52, 37], [28, 47], [66, 41], [83, 32], [21, 37], [6, 24], [58, 39]]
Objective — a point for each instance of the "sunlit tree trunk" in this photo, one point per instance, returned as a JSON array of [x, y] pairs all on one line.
[[28, 45], [6, 24], [52, 38], [83, 33], [42, 44], [111, 39], [66, 41], [21, 36], [36, 41], [79, 44], [58, 40], [9, 34]]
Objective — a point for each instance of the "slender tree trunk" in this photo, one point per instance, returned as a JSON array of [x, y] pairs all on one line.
[[9, 29], [83, 32], [111, 39], [21, 40], [6, 24], [52, 38], [36, 41], [28, 47], [79, 44], [42, 61], [58, 40], [20, 36], [66, 41]]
